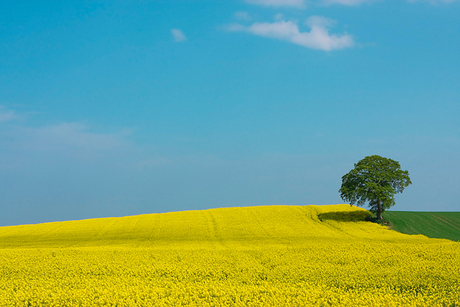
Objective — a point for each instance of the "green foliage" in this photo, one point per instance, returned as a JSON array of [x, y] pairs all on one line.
[[445, 225], [374, 179], [345, 216], [383, 221]]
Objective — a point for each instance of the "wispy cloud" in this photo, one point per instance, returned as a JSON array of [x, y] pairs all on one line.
[[358, 2], [347, 2], [178, 35], [243, 16], [72, 136], [65, 137], [434, 1], [279, 3], [279, 17], [7, 115], [318, 37], [23, 146]]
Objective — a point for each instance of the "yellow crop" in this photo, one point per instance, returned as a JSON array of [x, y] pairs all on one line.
[[253, 256]]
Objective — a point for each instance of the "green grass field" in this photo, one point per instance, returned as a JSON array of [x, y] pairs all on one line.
[[431, 224]]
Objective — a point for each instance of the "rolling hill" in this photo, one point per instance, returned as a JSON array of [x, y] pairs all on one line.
[[247, 256], [239, 224]]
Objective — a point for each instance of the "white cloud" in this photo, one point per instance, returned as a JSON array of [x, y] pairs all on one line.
[[318, 37], [7, 115], [178, 35], [279, 3]]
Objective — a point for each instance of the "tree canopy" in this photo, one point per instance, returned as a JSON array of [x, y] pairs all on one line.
[[376, 180]]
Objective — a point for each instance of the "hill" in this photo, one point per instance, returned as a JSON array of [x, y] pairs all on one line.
[[240, 224], [248, 256], [431, 224]]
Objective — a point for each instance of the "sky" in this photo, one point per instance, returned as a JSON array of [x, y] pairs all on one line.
[[135, 107]]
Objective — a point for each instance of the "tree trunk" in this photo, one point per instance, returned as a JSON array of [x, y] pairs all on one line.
[[379, 210]]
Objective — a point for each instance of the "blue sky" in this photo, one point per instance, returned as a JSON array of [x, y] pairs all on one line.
[[154, 106]]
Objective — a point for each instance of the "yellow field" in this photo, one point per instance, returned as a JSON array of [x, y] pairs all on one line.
[[252, 256]]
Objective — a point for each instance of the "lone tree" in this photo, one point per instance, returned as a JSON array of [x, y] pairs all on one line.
[[374, 179]]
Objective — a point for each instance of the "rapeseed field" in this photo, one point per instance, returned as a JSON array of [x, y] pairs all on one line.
[[250, 256]]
